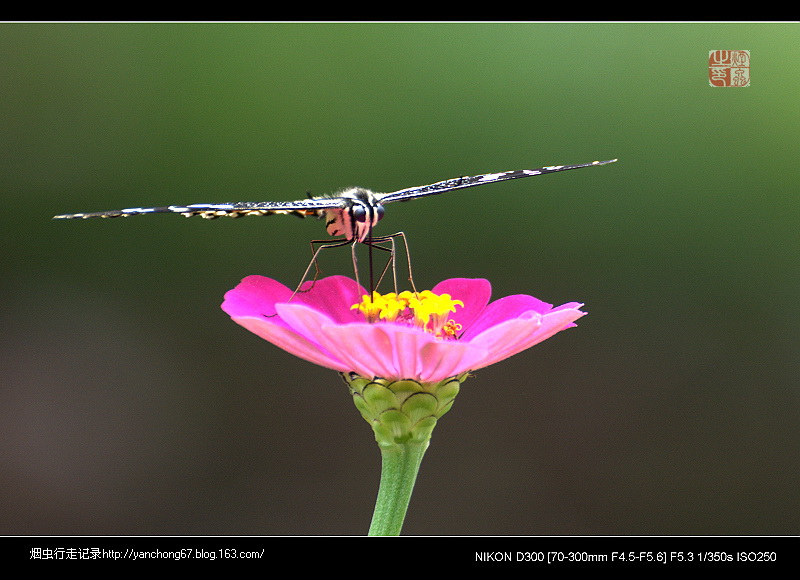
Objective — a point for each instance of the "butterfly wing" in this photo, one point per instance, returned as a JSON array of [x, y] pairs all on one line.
[[464, 182], [302, 208]]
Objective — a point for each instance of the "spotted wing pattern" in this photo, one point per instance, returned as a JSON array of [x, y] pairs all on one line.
[[302, 208], [463, 182]]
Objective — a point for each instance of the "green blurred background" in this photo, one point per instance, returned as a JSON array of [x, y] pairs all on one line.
[[131, 404]]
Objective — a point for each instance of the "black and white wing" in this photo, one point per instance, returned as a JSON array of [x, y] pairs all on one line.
[[356, 201], [315, 206], [463, 182]]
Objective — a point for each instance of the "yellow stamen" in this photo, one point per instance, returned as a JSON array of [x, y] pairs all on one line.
[[371, 308], [450, 329], [424, 309]]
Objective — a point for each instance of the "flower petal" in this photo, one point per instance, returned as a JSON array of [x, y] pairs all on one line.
[[290, 341], [255, 296], [473, 292], [571, 306], [447, 358], [512, 336], [360, 346], [334, 296], [506, 308]]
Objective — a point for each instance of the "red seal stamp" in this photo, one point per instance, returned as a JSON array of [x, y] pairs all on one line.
[[729, 68]]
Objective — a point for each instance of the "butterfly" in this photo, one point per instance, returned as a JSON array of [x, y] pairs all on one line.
[[351, 213]]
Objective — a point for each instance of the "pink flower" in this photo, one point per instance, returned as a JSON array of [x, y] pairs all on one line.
[[327, 326]]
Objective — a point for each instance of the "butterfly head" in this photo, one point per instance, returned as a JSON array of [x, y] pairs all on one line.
[[359, 213]]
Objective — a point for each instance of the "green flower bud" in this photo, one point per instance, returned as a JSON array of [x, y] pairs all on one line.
[[404, 411]]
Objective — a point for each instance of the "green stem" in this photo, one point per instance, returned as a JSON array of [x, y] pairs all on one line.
[[399, 467]]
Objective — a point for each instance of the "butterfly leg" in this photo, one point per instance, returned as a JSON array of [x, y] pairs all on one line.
[[318, 245], [376, 243], [408, 258], [392, 260], [324, 245]]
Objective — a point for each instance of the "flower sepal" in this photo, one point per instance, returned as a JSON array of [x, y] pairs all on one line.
[[404, 411]]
